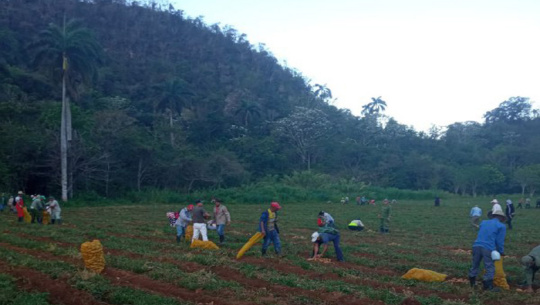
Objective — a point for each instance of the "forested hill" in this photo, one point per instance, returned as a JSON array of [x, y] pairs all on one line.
[[159, 100]]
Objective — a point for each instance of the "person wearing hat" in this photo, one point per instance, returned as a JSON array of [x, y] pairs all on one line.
[[319, 239], [19, 205], [496, 206], [184, 218], [199, 223], [509, 213], [222, 217], [531, 264], [36, 209], [269, 228], [384, 216], [54, 206], [490, 238]]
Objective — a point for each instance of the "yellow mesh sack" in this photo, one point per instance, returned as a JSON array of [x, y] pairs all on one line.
[[500, 277], [189, 233], [204, 245], [46, 218], [92, 253], [27, 216], [424, 275], [253, 240]]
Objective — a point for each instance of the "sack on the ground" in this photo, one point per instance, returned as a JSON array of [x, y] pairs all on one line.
[[27, 216], [424, 275], [92, 253], [253, 240], [46, 218], [189, 233], [204, 245]]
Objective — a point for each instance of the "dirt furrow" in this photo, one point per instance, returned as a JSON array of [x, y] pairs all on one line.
[[60, 292]]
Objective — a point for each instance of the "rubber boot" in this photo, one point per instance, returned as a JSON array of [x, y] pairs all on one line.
[[263, 252], [177, 239], [52, 221], [221, 239], [20, 219], [488, 286], [472, 281]]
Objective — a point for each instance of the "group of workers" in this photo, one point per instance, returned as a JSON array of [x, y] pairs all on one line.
[[39, 205], [489, 246], [491, 235]]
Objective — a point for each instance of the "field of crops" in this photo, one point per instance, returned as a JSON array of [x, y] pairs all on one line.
[[43, 265]]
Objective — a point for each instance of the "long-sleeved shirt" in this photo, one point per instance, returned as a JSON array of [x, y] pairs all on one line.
[[529, 271], [476, 212], [221, 215], [184, 217], [491, 235], [496, 207], [510, 210]]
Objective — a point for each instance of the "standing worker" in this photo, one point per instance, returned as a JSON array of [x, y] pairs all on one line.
[[269, 228], [496, 206], [437, 201], [490, 238], [475, 214], [19, 206], [222, 217], [55, 211], [384, 216], [531, 264], [36, 209], [509, 213], [199, 223], [184, 218]]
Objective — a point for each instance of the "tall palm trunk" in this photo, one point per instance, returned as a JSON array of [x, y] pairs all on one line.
[[64, 141]]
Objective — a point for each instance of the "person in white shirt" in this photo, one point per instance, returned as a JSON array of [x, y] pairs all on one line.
[[496, 206]]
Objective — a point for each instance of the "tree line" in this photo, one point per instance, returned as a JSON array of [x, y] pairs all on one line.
[[106, 97]]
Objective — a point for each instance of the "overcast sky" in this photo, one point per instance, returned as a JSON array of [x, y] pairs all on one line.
[[435, 62]]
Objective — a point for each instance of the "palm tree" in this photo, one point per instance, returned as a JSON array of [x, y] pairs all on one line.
[[173, 98], [71, 53], [376, 106], [247, 110]]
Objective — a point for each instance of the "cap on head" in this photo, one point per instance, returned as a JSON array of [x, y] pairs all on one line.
[[20, 193], [190, 207], [314, 237], [275, 205], [494, 201], [198, 201], [321, 213]]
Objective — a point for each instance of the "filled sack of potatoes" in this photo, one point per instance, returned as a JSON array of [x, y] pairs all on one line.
[[92, 253]]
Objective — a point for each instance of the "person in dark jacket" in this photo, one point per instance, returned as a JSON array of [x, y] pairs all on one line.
[[269, 228], [509, 213], [490, 237]]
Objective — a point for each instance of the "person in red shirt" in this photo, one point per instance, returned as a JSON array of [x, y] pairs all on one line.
[[19, 205]]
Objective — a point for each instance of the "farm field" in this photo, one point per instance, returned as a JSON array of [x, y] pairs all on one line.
[[43, 265]]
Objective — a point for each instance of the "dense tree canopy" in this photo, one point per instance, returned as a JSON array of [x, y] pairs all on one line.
[[168, 102]]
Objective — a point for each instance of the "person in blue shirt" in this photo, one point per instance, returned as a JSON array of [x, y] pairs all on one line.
[[322, 239], [475, 215], [269, 228], [490, 237]]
